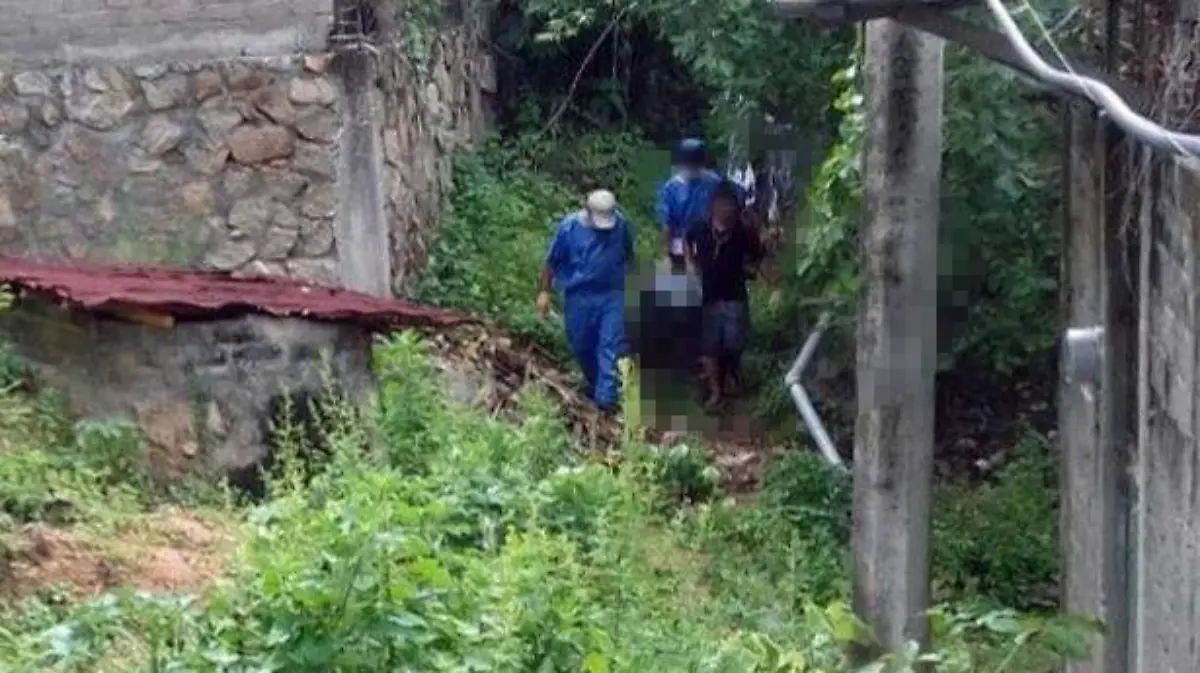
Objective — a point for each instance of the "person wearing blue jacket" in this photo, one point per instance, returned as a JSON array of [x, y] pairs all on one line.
[[586, 263], [683, 199]]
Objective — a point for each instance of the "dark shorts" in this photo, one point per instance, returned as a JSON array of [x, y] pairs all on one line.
[[726, 326]]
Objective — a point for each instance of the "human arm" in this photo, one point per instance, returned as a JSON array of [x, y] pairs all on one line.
[[555, 256], [689, 249]]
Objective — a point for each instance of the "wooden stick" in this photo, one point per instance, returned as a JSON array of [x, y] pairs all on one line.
[[141, 315]]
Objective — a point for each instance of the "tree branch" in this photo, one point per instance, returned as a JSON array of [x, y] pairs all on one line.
[[562, 107]]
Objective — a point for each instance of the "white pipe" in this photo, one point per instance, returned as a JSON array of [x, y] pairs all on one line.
[[807, 351], [815, 427], [804, 405]]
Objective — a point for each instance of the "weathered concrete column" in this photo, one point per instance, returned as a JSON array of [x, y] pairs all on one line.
[[1095, 420], [897, 337], [363, 235]]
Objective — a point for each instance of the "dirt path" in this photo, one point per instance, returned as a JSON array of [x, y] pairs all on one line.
[[167, 551], [978, 422]]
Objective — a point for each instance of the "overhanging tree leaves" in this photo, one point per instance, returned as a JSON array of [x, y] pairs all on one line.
[[737, 48]]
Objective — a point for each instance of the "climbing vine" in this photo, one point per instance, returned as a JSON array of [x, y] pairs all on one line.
[[415, 27], [826, 264]]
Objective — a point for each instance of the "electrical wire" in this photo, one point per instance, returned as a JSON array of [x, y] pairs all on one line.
[[1049, 39], [1094, 90]]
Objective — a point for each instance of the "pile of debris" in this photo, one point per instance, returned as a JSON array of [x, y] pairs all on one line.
[[484, 367]]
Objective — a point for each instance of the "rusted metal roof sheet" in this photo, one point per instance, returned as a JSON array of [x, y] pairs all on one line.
[[200, 294]]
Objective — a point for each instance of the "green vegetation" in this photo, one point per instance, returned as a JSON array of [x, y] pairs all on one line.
[[467, 543], [462, 542]]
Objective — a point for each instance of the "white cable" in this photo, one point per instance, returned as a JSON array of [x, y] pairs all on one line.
[[1098, 92], [1062, 58]]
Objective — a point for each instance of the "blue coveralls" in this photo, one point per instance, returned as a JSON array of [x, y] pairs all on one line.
[[681, 203], [588, 267]]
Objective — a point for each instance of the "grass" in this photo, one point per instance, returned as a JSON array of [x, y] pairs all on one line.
[[465, 543], [469, 543]]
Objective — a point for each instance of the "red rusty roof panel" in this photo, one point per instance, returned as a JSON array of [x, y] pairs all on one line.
[[198, 294]]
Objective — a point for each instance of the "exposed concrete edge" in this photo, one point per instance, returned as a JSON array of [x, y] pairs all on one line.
[[208, 45]]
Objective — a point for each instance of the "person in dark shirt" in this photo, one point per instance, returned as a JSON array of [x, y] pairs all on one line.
[[726, 253]]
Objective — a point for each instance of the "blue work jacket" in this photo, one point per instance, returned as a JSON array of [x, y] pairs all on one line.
[[583, 259], [682, 203]]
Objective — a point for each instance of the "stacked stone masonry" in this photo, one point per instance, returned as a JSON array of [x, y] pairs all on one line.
[[254, 164], [429, 113], [229, 165]]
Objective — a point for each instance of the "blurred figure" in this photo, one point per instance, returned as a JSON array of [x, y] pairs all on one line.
[[726, 253], [683, 199], [663, 331], [586, 263]]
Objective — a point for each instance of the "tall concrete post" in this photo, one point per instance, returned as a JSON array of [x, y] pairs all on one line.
[[897, 332]]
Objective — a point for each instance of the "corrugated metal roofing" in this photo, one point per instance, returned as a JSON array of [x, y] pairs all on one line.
[[199, 294]]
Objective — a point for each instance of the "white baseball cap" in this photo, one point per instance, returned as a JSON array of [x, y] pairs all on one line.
[[602, 209]]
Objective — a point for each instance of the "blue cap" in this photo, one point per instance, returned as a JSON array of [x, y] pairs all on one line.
[[690, 151]]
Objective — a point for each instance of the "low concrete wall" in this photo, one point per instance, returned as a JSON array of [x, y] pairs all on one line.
[[202, 391], [48, 32]]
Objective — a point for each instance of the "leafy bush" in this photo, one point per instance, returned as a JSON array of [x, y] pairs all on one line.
[[997, 540], [51, 471], [507, 198], [685, 472], [472, 544]]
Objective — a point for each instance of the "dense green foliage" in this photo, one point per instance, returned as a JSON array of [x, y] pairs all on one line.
[[459, 542], [999, 244], [466, 543]]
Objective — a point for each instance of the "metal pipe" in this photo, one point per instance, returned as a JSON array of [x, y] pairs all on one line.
[[807, 351], [816, 428], [804, 405]]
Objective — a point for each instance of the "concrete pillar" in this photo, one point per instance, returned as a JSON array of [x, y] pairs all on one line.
[[897, 338], [1094, 421], [362, 232]]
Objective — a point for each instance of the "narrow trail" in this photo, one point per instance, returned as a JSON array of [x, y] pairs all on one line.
[[978, 419]]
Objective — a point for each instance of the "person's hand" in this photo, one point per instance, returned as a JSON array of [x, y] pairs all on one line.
[[543, 304], [773, 300]]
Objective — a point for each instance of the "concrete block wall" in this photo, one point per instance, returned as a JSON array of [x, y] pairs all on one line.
[[1131, 444], [34, 32], [1165, 539]]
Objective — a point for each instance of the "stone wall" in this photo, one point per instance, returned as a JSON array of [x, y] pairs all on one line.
[[323, 165], [429, 114], [228, 165], [201, 391]]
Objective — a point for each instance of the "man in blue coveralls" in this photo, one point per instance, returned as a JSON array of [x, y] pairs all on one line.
[[587, 261], [683, 199]]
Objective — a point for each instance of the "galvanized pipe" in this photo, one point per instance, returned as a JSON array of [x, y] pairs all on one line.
[[808, 413]]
